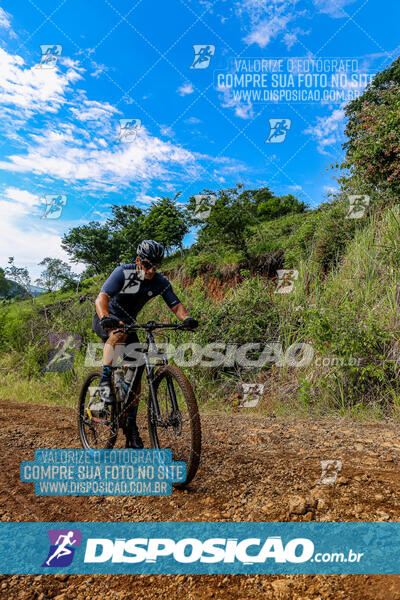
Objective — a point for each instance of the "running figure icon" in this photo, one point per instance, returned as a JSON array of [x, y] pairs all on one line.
[[62, 549], [278, 130], [202, 56]]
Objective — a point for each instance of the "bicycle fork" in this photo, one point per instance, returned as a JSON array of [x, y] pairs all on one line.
[[153, 396]]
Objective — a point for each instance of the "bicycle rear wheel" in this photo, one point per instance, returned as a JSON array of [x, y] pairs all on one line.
[[181, 430], [94, 432]]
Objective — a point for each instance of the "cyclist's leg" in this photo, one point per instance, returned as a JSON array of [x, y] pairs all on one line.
[[133, 409], [112, 345], [111, 342], [112, 348]]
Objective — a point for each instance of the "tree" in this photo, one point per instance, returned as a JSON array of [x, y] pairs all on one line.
[[235, 210], [373, 132], [166, 223], [278, 206], [4, 284], [57, 274], [163, 221], [101, 247], [229, 219], [93, 244], [125, 217], [196, 209], [382, 81], [373, 150], [20, 275], [126, 225]]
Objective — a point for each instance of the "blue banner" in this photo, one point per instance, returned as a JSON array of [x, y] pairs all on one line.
[[200, 548], [77, 472]]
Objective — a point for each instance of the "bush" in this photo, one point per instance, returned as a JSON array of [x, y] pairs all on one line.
[[356, 317]]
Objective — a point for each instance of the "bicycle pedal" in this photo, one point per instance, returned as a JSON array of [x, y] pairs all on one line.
[[101, 411]]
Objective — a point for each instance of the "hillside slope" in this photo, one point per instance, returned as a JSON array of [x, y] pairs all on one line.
[[344, 305]]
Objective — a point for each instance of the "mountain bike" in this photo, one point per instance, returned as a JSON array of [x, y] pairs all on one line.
[[173, 418]]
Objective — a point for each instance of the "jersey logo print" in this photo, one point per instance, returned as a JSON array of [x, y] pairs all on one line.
[[132, 283]]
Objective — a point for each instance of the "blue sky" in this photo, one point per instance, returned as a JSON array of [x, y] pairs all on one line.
[[124, 59]]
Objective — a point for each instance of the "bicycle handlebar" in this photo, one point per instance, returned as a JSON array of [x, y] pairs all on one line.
[[151, 326]]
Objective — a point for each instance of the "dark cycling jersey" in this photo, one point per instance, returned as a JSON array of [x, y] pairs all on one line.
[[129, 294]]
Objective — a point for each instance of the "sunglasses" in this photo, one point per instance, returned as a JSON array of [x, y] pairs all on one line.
[[148, 265]]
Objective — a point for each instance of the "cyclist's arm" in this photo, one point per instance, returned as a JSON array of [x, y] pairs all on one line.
[[180, 311], [111, 287], [102, 302], [174, 303]]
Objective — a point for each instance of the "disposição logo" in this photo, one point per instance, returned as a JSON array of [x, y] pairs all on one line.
[[63, 543], [190, 550]]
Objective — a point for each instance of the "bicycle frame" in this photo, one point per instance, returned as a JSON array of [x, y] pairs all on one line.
[[134, 384]]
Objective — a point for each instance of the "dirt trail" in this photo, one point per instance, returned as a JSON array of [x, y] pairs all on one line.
[[252, 469]]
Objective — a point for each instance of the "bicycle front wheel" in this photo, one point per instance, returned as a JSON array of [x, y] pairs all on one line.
[[178, 430]]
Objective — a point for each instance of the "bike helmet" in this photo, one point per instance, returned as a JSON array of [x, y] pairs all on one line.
[[151, 251]]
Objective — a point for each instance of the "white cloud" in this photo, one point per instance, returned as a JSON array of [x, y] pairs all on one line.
[[185, 89], [98, 69], [24, 235], [268, 19], [26, 91], [328, 131], [243, 110], [167, 131], [22, 197], [65, 154], [329, 189], [268, 29], [29, 247], [193, 120], [333, 8], [5, 22], [292, 37], [84, 150], [96, 113]]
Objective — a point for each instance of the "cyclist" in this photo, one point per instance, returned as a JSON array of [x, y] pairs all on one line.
[[123, 295]]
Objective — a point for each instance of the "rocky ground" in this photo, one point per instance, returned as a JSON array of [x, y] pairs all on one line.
[[253, 469]]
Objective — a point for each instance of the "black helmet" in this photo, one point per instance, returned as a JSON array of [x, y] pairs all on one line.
[[151, 251]]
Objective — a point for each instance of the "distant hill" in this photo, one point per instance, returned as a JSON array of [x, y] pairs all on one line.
[[36, 291], [14, 289]]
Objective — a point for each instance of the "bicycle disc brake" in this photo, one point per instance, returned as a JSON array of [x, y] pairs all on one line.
[[175, 421]]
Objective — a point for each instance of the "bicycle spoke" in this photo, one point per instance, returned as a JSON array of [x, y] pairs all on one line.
[[178, 427]]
